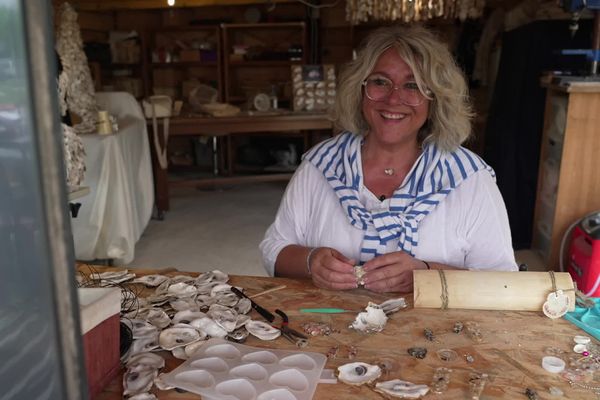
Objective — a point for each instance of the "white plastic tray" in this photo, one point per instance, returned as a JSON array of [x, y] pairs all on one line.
[[230, 371]]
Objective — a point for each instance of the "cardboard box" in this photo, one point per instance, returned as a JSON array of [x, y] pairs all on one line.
[[189, 55], [100, 318]]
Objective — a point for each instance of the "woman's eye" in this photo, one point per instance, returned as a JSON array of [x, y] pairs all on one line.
[[411, 86], [380, 82]]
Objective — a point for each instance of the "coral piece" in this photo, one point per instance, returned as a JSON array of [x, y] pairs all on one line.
[[76, 88]]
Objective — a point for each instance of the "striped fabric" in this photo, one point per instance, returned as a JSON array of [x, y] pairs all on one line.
[[435, 174]]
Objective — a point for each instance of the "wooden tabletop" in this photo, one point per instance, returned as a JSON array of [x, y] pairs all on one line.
[[510, 353], [249, 123]]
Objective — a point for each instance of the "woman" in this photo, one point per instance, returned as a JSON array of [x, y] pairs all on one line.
[[395, 191]]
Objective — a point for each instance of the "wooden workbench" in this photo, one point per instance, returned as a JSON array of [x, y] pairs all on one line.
[[281, 123], [510, 353]]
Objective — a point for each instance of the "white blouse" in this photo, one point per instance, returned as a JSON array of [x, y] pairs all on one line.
[[469, 229]]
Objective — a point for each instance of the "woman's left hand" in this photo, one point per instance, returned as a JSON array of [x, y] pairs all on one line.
[[391, 272]]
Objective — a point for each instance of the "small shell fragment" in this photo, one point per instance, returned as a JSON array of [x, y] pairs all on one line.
[[262, 330]]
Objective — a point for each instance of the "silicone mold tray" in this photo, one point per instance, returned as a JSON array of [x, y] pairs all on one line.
[[229, 371]]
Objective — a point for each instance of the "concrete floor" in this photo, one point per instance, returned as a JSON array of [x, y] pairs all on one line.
[[222, 228]]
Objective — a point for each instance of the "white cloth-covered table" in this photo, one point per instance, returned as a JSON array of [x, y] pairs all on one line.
[[119, 174]]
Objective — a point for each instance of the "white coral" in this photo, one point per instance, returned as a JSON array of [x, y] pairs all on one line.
[[74, 156], [76, 87]]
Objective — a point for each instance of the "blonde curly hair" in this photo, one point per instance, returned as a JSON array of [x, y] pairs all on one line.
[[436, 73]]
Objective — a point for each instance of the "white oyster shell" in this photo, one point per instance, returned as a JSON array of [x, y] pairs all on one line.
[[150, 359], [221, 288], [191, 348], [392, 305], [141, 328], [372, 320], [151, 280], [182, 290], [401, 389], [358, 373], [158, 318], [144, 345], [187, 303], [209, 327], [179, 352], [143, 396], [187, 316], [177, 337], [243, 306], [226, 319], [138, 379], [262, 330]]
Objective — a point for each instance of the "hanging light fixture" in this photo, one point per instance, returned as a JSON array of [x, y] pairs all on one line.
[[171, 3]]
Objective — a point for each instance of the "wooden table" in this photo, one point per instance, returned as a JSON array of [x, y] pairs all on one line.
[[273, 123], [510, 353]]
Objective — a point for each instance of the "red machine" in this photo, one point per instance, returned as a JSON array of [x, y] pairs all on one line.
[[584, 255]]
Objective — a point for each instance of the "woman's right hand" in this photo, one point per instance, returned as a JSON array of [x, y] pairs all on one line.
[[330, 269]]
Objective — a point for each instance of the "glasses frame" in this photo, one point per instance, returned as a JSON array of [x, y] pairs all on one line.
[[393, 88]]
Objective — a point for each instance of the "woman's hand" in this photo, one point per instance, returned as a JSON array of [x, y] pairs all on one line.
[[330, 269], [391, 272]]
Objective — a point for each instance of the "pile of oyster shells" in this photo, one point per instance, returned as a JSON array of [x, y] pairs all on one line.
[[181, 314]]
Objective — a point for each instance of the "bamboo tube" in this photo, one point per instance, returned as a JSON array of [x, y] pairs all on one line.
[[489, 290]]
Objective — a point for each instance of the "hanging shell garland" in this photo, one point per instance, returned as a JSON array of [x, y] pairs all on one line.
[[359, 11]]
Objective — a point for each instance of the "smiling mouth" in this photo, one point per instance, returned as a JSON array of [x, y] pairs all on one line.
[[394, 116]]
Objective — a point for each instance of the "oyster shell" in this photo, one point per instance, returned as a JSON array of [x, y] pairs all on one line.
[[262, 330], [392, 305], [144, 345], [151, 280], [141, 328], [205, 301], [227, 299], [138, 379], [209, 327], [186, 303], [401, 389], [150, 359], [182, 290], [226, 319], [358, 373], [239, 335], [243, 306], [372, 320], [143, 396], [220, 288], [158, 318], [178, 336], [179, 352], [187, 316], [191, 348]]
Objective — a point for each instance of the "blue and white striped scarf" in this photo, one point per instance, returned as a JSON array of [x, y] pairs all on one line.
[[435, 174]]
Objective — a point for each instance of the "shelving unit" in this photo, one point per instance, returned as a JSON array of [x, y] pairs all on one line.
[[568, 184], [257, 59], [181, 56]]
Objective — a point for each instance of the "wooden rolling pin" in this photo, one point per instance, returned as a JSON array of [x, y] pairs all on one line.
[[489, 290]]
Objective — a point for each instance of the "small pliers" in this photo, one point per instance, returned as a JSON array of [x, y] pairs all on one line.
[[290, 334]]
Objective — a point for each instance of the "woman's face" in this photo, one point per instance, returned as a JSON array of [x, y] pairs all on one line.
[[394, 118]]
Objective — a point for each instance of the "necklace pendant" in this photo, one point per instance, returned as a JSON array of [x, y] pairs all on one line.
[[389, 171]]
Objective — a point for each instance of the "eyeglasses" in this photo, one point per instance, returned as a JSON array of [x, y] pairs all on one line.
[[379, 88]]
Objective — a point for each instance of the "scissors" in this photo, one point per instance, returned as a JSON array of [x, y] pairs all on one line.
[[290, 334]]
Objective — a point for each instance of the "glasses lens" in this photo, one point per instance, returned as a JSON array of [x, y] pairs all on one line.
[[378, 88]]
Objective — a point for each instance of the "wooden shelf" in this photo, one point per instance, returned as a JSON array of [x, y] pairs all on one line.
[[184, 64], [264, 63]]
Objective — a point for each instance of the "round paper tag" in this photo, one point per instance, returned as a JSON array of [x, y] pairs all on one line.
[[556, 305]]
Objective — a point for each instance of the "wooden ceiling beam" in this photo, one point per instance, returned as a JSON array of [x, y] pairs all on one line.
[[106, 5]]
